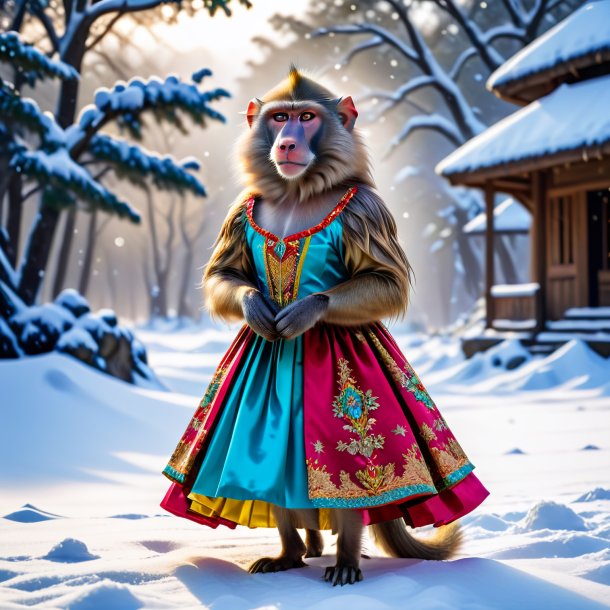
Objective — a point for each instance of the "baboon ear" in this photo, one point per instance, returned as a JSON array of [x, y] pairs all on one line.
[[253, 107], [347, 112]]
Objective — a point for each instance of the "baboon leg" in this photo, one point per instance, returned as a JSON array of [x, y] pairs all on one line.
[[293, 547], [314, 543], [349, 527]]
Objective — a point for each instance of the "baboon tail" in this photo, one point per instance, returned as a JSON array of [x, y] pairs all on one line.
[[394, 538]]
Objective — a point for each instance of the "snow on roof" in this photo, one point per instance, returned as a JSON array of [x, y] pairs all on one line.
[[581, 40], [572, 122], [509, 217]]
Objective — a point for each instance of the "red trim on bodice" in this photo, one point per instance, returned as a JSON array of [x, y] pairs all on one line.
[[307, 232]]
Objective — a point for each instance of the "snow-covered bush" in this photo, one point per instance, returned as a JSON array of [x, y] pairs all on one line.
[[69, 326]]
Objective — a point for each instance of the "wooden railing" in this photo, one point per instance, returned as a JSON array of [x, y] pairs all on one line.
[[516, 307]]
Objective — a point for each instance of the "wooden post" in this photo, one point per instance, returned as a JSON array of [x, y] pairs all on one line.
[[539, 245], [489, 254]]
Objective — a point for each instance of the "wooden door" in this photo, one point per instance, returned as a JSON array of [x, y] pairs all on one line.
[[598, 204], [567, 257]]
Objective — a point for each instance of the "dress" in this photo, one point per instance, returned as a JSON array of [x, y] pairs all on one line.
[[335, 418]]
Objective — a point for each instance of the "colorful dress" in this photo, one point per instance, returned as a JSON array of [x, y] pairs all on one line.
[[335, 418]]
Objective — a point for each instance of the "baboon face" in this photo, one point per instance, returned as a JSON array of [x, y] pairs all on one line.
[[296, 129], [293, 129]]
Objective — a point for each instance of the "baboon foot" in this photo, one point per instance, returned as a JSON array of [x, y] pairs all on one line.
[[315, 543], [343, 575], [275, 564]]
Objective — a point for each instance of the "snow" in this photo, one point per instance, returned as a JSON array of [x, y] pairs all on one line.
[[509, 217], [583, 34], [515, 290], [81, 455], [514, 325], [588, 312], [572, 118]]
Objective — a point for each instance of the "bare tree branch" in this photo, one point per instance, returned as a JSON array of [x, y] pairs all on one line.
[[363, 28], [461, 61], [433, 123], [371, 43], [105, 31]]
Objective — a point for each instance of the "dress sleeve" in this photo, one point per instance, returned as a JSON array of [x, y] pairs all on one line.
[[229, 273]]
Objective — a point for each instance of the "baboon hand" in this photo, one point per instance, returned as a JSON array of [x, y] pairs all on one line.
[[300, 316], [259, 315]]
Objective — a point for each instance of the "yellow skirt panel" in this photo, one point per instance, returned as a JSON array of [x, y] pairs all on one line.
[[251, 513]]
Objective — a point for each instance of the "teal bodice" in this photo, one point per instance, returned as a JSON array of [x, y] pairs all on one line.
[[300, 264]]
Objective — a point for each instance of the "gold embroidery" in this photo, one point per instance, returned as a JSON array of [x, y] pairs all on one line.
[[374, 479], [408, 379], [449, 457], [427, 433]]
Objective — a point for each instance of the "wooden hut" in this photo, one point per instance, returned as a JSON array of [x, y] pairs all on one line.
[[552, 155]]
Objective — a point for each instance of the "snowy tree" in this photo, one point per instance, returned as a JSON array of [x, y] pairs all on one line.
[[71, 30], [69, 163]]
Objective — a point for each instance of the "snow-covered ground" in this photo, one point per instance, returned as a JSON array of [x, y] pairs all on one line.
[[80, 461]]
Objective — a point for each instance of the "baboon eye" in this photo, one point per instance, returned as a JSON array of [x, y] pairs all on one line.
[[307, 116], [280, 117]]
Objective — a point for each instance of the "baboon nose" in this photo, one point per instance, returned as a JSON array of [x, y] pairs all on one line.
[[287, 144]]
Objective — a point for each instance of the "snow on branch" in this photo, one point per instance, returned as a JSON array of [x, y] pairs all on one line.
[[135, 164], [25, 113], [433, 122], [505, 31], [59, 171], [126, 102], [461, 61], [30, 63], [415, 84], [103, 7]]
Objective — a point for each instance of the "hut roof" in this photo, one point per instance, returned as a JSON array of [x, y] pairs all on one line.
[[509, 217], [570, 124], [575, 49]]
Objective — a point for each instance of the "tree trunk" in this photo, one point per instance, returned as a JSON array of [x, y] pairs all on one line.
[[42, 231], [13, 223], [65, 114], [184, 309], [38, 248], [85, 274]]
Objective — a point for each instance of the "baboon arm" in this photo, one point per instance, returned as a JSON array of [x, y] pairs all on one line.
[[228, 276], [379, 271], [365, 298]]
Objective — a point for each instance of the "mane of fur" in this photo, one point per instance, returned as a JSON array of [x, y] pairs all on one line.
[[368, 226]]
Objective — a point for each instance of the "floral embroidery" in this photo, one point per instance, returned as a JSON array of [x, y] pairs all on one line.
[[399, 430], [354, 406], [318, 447], [210, 393], [408, 379], [183, 457]]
